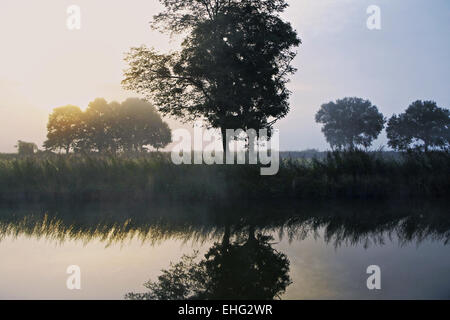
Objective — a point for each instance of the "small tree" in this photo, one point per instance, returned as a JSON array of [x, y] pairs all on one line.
[[63, 128], [26, 148], [350, 122], [423, 125]]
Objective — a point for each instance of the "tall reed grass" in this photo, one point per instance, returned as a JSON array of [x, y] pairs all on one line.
[[136, 178]]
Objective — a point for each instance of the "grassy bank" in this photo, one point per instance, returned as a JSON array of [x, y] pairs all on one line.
[[132, 178]]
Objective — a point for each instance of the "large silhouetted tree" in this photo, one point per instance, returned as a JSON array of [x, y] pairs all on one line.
[[63, 128], [423, 125], [350, 122], [232, 68]]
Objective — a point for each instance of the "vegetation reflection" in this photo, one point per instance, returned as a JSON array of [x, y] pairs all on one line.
[[237, 269], [243, 261]]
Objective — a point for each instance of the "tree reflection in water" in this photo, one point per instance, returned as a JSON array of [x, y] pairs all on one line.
[[242, 263], [240, 269]]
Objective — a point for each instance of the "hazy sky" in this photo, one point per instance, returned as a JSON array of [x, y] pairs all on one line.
[[44, 65]]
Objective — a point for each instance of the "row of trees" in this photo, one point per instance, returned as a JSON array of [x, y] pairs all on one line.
[[352, 122], [130, 126]]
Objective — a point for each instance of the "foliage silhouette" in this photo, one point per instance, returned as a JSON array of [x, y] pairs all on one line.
[[232, 69], [105, 127], [350, 122], [423, 125]]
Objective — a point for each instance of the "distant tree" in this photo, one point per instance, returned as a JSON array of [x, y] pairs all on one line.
[[63, 128], [232, 69], [140, 125], [423, 125], [99, 121], [26, 148], [350, 122]]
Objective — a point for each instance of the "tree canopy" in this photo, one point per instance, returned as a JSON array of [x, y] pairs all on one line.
[[232, 68], [350, 122], [423, 125], [130, 126]]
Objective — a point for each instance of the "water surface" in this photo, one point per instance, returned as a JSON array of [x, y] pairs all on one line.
[[300, 251]]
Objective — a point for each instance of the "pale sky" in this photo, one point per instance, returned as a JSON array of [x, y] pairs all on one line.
[[43, 65]]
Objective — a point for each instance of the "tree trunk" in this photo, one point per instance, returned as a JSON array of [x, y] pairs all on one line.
[[226, 236], [224, 144], [251, 234]]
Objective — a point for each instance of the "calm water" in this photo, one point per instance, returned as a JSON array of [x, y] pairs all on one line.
[[299, 251]]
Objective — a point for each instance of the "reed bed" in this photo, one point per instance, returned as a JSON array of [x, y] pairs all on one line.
[[344, 175]]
